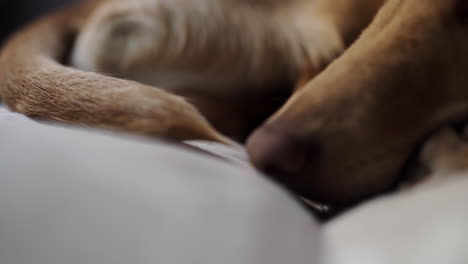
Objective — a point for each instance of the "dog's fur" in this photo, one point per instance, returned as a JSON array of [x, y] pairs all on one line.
[[34, 83], [444, 155], [358, 122], [231, 59]]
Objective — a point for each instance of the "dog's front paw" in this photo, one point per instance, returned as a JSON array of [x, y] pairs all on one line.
[[445, 152]]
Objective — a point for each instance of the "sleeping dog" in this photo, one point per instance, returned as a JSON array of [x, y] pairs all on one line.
[[184, 69]]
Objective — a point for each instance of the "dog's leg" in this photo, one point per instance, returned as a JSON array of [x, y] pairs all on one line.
[[172, 44], [34, 83], [445, 154], [440, 156]]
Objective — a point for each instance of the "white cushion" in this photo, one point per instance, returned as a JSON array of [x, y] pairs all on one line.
[[76, 197], [426, 225]]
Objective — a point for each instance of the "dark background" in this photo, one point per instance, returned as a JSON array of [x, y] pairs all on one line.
[[14, 13]]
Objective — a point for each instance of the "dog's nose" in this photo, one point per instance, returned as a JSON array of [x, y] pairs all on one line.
[[278, 153]]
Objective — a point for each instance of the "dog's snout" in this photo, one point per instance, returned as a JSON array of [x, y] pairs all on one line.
[[278, 153]]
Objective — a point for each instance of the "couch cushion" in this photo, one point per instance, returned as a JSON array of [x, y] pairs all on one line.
[[71, 196]]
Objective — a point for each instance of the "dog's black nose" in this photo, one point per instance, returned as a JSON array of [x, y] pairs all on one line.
[[278, 153]]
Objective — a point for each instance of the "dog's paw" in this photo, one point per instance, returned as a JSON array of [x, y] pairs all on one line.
[[445, 152]]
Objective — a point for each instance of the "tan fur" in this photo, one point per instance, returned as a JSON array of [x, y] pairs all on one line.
[[224, 55], [33, 83], [443, 156], [368, 111]]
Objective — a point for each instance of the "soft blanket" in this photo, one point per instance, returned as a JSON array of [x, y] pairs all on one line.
[[80, 197]]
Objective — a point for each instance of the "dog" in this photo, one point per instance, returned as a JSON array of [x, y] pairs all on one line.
[[221, 66], [349, 132], [361, 104]]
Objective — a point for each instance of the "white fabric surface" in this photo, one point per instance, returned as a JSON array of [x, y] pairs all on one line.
[[75, 197], [427, 225], [6, 114]]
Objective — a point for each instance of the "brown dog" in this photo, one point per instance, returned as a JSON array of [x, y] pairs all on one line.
[[231, 59], [348, 133]]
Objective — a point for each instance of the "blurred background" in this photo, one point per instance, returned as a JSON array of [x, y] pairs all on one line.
[[15, 13]]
